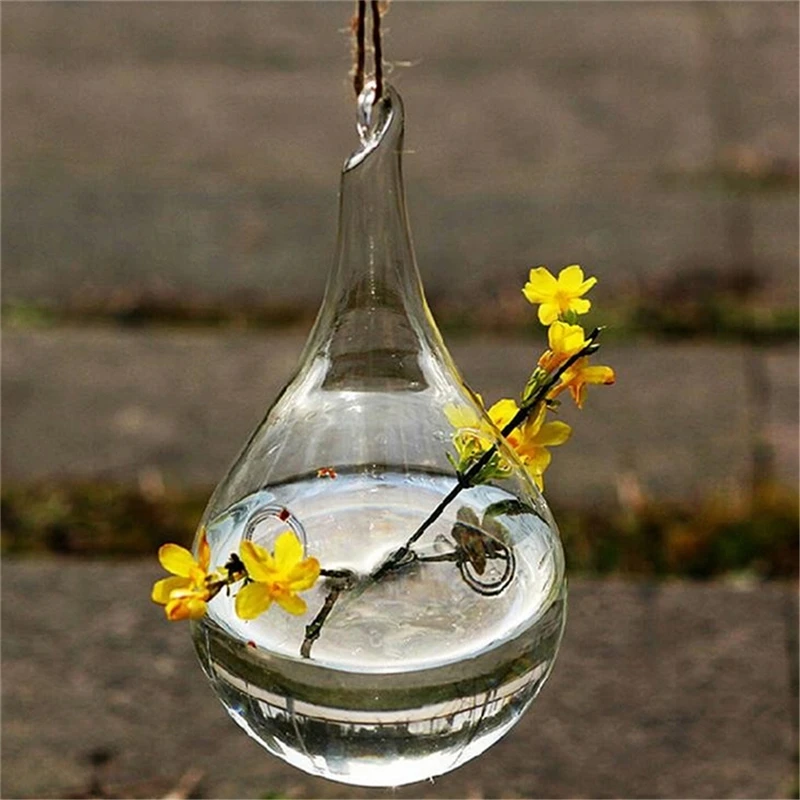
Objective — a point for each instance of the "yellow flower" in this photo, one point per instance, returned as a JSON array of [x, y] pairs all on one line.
[[538, 436], [473, 433], [564, 340], [184, 595], [277, 577], [558, 296], [467, 416], [531, 440], [579, 375], [501, 413]]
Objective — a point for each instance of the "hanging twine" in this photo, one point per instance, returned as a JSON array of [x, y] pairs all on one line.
[[359, 29]]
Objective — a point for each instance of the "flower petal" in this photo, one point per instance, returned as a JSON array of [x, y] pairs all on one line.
[[288, 552], [291, 603], [548, 313], [304, 575], [580, 305], [203, 552], [553, 433], [177, 610], [502, 412], [538, 460], [580, 374], [461, 416], [541, 286], [189, 607], [252, 600], [565, 339], [536, 469], [571, 280], [177, 560], [163, 589], [599, 375], [578, 392], [531, 426], [197, 608], [258, 562]]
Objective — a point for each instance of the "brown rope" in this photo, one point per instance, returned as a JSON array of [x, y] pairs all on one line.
[[358, 26], [377, 56]]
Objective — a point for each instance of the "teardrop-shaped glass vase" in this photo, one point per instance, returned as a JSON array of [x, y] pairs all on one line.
[[446, 598]]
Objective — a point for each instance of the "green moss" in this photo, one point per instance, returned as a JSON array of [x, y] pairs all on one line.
[[756, 536], [705, 315], [96, 519], [717, 536]]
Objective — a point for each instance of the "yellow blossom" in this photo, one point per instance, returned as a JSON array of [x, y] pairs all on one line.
[[534, 453], [464, 416], [579, 375], [501, 413], [558, 296], [565, 340], [473, 433], [185, 595], [531, 440], [275, 577]]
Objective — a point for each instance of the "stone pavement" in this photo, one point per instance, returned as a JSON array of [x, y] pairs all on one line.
[[685, 420], [672, 690], [192, 151]]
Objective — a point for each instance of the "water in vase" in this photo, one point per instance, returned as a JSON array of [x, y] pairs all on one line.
[[414, 674]]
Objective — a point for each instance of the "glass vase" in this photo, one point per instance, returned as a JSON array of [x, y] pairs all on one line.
[[442, 600]]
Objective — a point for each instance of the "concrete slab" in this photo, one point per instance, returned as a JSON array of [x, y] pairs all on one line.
[[194, 151], [677, 690]]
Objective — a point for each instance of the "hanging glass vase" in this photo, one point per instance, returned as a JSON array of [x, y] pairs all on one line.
[[441, 602]]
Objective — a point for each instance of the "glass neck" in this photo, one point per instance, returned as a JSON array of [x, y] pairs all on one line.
[[375, 265], [374, 319]]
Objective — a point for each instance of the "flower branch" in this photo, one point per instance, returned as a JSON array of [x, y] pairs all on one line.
[[466, 479], [481, 442]]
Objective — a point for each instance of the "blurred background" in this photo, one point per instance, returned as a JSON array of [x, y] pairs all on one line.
[[170, 179]]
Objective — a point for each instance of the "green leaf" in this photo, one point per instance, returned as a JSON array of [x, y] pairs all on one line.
[[533, 384], [466, 515], [570, 317], [453, 462], [509, 508]]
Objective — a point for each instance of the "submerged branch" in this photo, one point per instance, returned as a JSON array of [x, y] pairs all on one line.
[[314, 628], [340, 580]]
